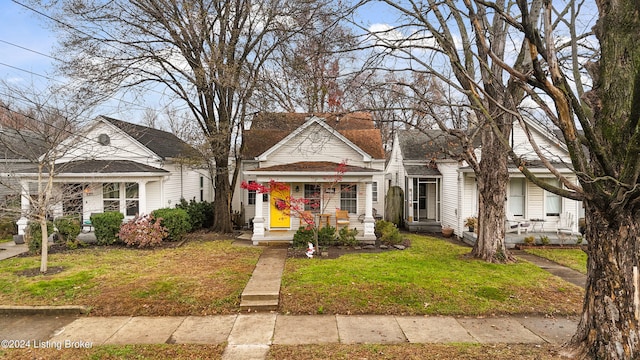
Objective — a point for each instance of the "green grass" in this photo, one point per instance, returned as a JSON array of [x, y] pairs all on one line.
[[575, 259], [200, 277], [431, 277]]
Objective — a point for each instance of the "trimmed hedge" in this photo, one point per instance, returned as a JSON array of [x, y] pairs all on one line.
[[200, 213], [68, 227], [388, 233], [106, 226], [34, 240], [176, 221]]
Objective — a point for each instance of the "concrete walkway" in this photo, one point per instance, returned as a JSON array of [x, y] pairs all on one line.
[[249, 336], [11, 249], [262, 292], [558, 270]]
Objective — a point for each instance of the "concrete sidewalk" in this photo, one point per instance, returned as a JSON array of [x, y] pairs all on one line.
[[249, 335], [11, 249]]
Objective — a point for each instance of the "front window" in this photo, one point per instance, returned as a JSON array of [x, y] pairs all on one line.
[[349, 198], [251, 195], [517, 197], [111, 196], [132, 199], [312, 195], [374, 190], [553, 202]]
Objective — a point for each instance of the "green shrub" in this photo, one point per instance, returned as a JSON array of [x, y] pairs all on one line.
[[544, 240], [200, 213], [379, 226], [176, 221], [326, 236], [347, 237], [106, 226], [388, 233], [34, 240], [8, 227], [302, 237], [68, 227]]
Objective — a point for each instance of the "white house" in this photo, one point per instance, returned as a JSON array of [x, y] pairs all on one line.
[[440, 190], [113, 165], [305, 151]]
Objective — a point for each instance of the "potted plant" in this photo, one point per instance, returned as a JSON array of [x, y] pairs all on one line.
[[447, 231], [471, 222]]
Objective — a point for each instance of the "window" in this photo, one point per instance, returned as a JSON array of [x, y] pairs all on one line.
[[132, 199], [517, 197], [312, 194], [201, 188], [553, 202], [349, 198], [251, 195], [374, 190], [111, 196]]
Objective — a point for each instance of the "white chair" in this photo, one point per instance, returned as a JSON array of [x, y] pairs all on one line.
[[565, 227], [516, 225], [565, 224]]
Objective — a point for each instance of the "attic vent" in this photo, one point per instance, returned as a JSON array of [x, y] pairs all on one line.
[[103, 139]]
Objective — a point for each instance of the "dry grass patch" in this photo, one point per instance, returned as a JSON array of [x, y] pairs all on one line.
[[433, 277], [120, 352], [414, 351], [198, 278]]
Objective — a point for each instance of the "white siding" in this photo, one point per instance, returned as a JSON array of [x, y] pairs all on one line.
[[121, 147], [315, 143], [449, 198]]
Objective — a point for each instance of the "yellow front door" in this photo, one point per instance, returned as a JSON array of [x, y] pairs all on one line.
[[279, 218]]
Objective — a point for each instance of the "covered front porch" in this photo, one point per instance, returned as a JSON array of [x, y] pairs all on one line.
[[513, 239], [85, 188], [337, 199]]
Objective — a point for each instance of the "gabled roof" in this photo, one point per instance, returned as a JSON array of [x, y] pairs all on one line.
[[21, 145], [101, 167], [164, 144], [426, 145], [267, 129]]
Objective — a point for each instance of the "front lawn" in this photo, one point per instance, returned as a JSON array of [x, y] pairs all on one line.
[[575, 259], [198, 278], [431, 277]]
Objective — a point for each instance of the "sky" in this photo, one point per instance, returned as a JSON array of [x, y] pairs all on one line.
[[27, 46], [22, 36]]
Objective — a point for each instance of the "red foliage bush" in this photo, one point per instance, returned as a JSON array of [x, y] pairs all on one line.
[[143, 231]]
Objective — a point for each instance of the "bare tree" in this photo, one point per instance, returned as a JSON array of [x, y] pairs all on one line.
[[459, 48], [34, 125], [605, 155], [307, 74], [206, 53]]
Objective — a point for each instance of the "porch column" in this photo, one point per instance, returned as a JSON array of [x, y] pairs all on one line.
[[25, 206], [369, 221], [142, 197], [258, 220]]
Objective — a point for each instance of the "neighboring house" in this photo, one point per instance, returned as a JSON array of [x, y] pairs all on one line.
[[18, 150], [113, 165], [305, 151], [440, 190]]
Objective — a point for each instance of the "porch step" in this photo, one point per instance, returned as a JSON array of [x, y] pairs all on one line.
[[259, 305], [424, 227], [262, 292]]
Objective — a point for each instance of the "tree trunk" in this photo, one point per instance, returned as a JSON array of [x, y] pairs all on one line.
[[492, 180], [608, 328], [44, 249], [222, 197]]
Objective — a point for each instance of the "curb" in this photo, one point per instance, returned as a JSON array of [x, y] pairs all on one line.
[[44, 310]]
